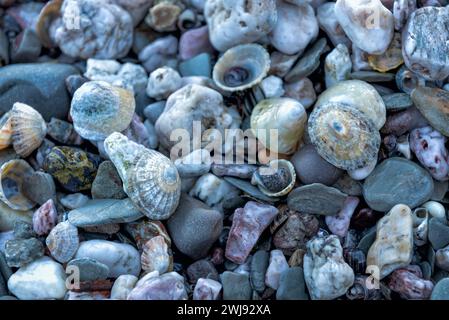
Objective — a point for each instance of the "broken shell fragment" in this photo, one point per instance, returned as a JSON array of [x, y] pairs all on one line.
[[5, 131], [276, 179]]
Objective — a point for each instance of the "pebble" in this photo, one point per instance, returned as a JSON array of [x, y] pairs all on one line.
[[163, 82], [337, 65], [441, 290], [213, 190], [120, 258], [438, 233], [107, 183], [316, 198], [169, 286], [339, 224], [292, 285], [207, 289], [197, 66], [326, 273], [23, 230], [194, 42], [397, 101], [259, 266], [277, 265], [161, 52], [144, 230], [201, 269], [433, 104], [89, 269], [20, 252], [328, 22], [107, 211], [196, 163], [236, 286], [348, 185], [123, 286], [39, 280], [194, 227], [372, 35], [8, 217], [301, 90], [272, 87], [372, 76], [393, 247], [442, 258], [74, 201], [40, 85], [26, 47], [63, 132], [312, 168], [435, 209], [397, 180], [409, 284], [248, 223], [154, 110]]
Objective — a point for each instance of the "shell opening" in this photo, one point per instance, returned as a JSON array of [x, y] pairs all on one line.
[[236, 76]]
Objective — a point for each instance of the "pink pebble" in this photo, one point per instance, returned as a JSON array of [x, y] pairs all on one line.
[[194, 42], [339, 224], [206, 289], [45, 218]]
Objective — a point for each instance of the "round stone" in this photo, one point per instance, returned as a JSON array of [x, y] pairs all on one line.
[[441, 290], [433, 103], [90, 269], [397, 181]]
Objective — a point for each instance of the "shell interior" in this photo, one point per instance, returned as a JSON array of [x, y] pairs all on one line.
[[241, 67], [344, 136], [276, 167]]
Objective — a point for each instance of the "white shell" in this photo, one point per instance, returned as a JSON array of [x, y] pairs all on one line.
[[435, 209], [63, 241]]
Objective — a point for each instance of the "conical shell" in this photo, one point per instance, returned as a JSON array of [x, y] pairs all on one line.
[[149, 178], [29, 129], [5, 131], [13, 174], [269, 183], [63, 241], [241, 67], [344, 136]]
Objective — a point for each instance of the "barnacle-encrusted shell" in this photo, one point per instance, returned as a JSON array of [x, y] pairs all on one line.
[[276, 179], [99, 109], [63, 241], [12, 176], [28, 129], [5, 131], [241, 67], [285, 115], [149, 178], [344, 136]]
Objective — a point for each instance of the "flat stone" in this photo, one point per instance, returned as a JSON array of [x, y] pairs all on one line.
[[236, 286], [40, 187], [74, 200], [201, 269], [397, 101], [20, 252], [372, 76], [104, 211], [199, 65], [259, 266], [250, 189], [40, 85], [441, 290], [292, 285], [433, 103], [438, 233], [90, 269], [397, 181], [316, 198], [107, 183]]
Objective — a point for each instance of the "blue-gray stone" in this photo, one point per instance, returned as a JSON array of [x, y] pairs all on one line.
[[259, 265], [292, 285], [438, 233], [236, 286], [90, 269], [19, 252], [199, 65], [441, 290], [367, 240], [154, 110], [27, 49]]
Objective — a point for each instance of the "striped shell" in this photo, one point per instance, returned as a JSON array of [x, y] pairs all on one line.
[[45, 218], [13, 174], [155, 256], [5, 131], [63, 241], [29, 129], [149, 178], [344, 136]]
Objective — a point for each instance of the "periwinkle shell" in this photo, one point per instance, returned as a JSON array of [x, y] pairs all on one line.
[[149, 178]]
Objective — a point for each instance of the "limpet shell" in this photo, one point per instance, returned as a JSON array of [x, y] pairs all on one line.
[[13, 174], [344, 136], [5, 131], [241, 67], [390, 59], [63, 241], [149, 178], [276, 179], [28, 129]]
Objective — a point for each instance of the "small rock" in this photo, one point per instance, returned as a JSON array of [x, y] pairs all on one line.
[[19, 252], [193, 42], [120, 258], [259, 266], [438, 233], [292, 285], [74, 201], [328, 22], [397, 101], [277, 265], [26, 47], [196, 163], [23, 230], [338, 65], [106, 211], [441, 290], [301, 90], [89, 269], [107, 183], [39, 187], [248, 223], [39, 280], [316, 198], [272, 87], [169, 286], [207, 289], [163, 82], [433, 104], [409, 284], [339, 224], [63, 132], [123, 285], [159, 53], [201, 269], [236, 286], [198, 66], [442, 258], [194, 227], [154, 110]]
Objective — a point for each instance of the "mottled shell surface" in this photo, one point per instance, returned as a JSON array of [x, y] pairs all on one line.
[[241, 67], [12, 177], [5, 131], [361, 96], [28, 129], [149, 178], [63, 241], [276, 179], [344, 136], [391, 59], [99, 109], [287, 116]]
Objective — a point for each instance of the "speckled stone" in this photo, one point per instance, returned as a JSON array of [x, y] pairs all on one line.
[[433, 103], [201, 269], [395, 181], [19, 252], [107, 183]]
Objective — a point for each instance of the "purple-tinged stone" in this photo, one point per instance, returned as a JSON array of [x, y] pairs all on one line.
[[206, 289], [194, 42], [247, 226], [401, 122], [339, 224], [201, 269], [45, 218], [277, 265], [169, 286], [408, 282]]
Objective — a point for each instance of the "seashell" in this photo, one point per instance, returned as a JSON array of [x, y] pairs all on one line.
[[403, 146], [12, 177], [187, 20], [435, 209], [163, 15], [29, 129], [344, 136], [63, 241], [390, 59], [48, 14], [156, 256], [45, 218], [287, 116], [420, 218], [407, 80], [99, 109], [5, 131], [241, 67], [360, 290], [362, 173], [276, 179], [149, 178]]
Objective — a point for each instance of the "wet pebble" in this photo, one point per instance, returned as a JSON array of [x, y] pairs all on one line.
[[441, 290], [74, 201], [277, 265], [207, 289], [438, 233], [107, 183], [20, 252], [169, 286], [123, 286], [259, 265], [89, 269], [292, 285], [236, 286], [201, 269], [397, 101]]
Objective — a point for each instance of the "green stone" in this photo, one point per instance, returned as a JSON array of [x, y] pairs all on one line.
[[199, 65]]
